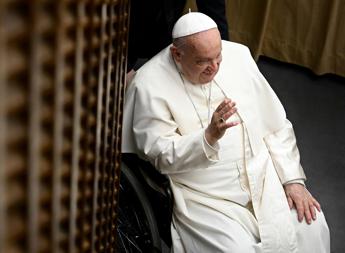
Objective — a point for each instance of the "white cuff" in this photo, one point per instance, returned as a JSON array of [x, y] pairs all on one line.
[[296, 181], [210, 151]]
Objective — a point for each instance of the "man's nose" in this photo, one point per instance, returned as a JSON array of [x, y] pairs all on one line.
[[213, 64]]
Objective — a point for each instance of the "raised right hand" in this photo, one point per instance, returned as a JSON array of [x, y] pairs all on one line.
[[216, 129]]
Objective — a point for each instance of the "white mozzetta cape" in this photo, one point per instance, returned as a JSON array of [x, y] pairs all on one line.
[[160, 125]]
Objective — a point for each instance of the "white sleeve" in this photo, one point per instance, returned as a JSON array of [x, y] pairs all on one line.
[[285, 155], [296, 181], [211, 151], [158, 139]]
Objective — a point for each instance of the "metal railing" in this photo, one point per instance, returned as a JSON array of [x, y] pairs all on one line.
[[62, 74]]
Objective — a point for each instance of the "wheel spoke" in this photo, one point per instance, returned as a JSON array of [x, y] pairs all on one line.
[[129, 240], [133, 229]]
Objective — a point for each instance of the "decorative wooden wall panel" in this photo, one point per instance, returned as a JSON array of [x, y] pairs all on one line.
[[62, 74]]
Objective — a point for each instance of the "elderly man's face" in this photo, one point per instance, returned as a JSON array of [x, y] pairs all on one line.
[[199, 58]]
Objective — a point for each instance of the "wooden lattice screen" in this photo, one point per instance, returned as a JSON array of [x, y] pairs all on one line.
[[62, 71]]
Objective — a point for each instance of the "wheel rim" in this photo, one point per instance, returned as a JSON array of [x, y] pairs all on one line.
[[133, 230]]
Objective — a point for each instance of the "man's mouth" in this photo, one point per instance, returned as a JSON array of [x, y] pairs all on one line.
[[208, 73]]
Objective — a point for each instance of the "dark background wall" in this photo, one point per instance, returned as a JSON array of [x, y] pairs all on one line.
[[316, 107]]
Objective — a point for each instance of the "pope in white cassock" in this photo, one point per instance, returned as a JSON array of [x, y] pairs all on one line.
[[201, 112]]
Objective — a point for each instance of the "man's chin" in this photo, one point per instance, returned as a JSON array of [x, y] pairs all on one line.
[[207, 78]]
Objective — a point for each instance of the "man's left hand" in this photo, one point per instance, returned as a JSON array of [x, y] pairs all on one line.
[[305, 204]]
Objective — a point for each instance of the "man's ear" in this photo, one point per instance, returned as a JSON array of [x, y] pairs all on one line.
[[176, 53]]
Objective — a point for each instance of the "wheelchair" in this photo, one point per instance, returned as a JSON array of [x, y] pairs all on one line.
[[145, 207]]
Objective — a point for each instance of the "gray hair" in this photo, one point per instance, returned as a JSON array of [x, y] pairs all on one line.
[[181, 42]]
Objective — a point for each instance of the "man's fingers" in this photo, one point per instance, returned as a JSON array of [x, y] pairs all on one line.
[[312, 210], [300, 210], [304, 202], [223, 112], [225, 107], [229, 125], [290, 202], [222, 105], [307, 211], [316, 204], [228, 114]]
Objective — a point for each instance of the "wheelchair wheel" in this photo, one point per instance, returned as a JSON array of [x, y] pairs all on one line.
[[137, 229]]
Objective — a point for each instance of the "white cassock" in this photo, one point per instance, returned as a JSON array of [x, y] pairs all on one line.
[[229, 197]]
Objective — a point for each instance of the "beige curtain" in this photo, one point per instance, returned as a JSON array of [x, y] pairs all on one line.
[[309, 33]]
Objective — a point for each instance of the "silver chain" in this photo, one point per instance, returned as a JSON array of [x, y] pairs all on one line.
[[191, 100]]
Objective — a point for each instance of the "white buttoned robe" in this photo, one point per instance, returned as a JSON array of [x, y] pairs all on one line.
[[229, 197]]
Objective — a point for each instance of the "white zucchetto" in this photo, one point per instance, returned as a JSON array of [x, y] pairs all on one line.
[[191, 23]]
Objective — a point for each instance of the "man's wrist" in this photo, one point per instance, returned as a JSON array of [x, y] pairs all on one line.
[[210, 140]]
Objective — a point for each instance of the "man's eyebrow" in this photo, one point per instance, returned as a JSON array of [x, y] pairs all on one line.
[[203, 58], [206, 58]]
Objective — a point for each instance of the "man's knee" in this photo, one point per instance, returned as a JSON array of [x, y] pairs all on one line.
[[315, 229], [314, 235], [238, 246], [240, 241]]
